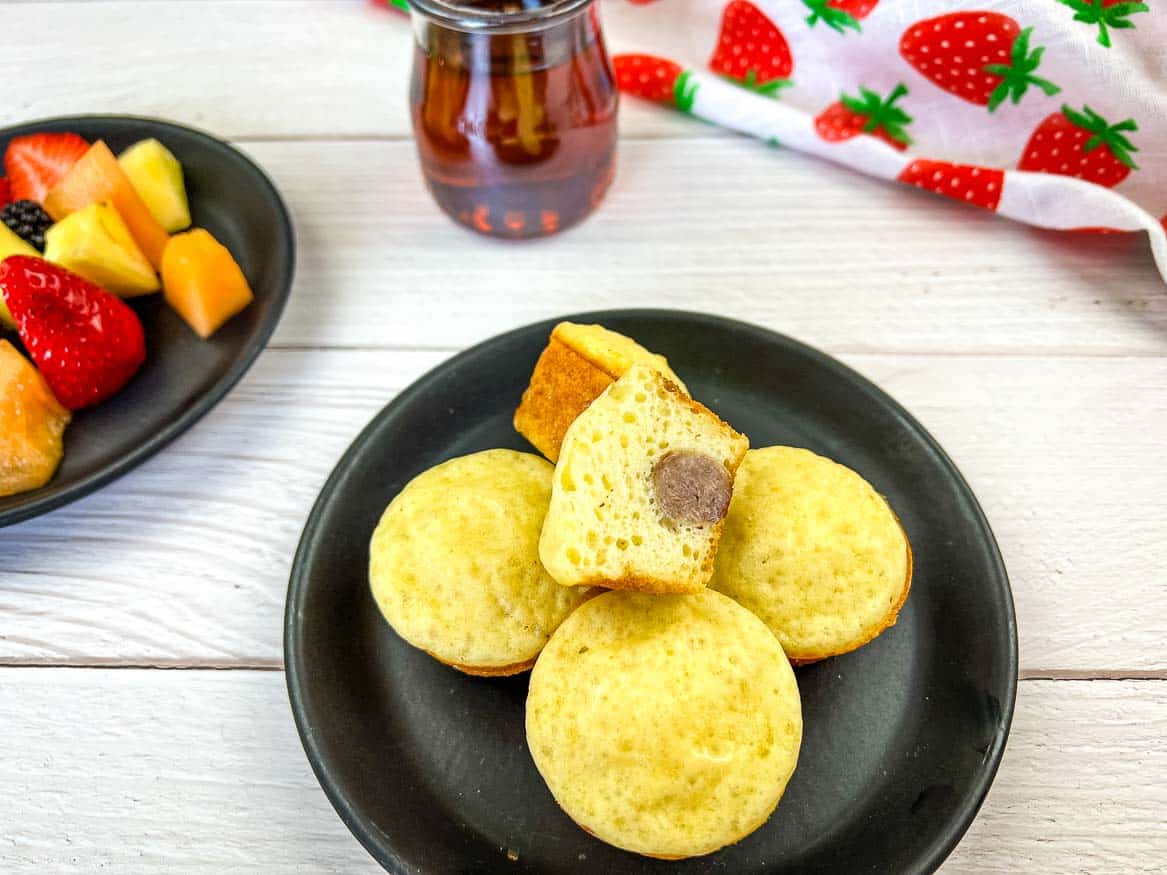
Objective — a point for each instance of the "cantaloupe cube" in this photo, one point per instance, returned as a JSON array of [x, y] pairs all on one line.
[[32, 423], [97, 177], [10, 244], [202, 282], [95, 243]]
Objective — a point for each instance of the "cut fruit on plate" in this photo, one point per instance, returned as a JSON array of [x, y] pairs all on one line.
[[36, 162], [157, 177], [86, 342], [95, 243], [97, 177], [32, 423], [10, 244], [203, 282]]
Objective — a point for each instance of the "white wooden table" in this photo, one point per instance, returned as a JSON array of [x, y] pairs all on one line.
[[144, 724]]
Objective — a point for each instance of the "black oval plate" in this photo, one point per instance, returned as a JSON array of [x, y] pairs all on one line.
[[429, 768], [184, 377]]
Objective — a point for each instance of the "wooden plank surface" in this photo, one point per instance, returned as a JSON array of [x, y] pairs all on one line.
[[186, 560], [1037, 359], [836, 259], [145, 771], [258, 68]]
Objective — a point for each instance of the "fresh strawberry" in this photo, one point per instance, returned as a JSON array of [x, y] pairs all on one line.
[[5, 192], [1106, 14], [751, 49], [86, 342], [981, 57], [867, 114], [1083, 145], [656, 79], [839, 14], [36, 162], [963, 182]]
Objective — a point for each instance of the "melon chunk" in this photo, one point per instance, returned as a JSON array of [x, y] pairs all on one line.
[[95, 243], [157, 177], [98, 177], [202, 282], [10, 244], [32, 424]]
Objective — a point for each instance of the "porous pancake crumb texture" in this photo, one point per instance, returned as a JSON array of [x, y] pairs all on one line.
[[578, 363], [604, 526], [665, 725], [811, 548], [454, 563]]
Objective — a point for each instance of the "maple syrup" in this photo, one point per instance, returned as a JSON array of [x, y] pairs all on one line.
[[514, 112]]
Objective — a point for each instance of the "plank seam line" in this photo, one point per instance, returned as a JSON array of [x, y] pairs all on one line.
[[245, 138], [834, 351], [146, 666], [274, 666], [1055, 674]]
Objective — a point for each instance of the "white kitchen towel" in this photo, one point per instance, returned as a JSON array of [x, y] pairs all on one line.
[[1051, 112]]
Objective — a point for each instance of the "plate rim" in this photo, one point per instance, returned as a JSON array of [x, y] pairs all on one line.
[[295, 671], [203, 405]]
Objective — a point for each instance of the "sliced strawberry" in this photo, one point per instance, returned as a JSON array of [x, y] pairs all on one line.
[[5, 192], [36, 162], [1083, 145], [867, 114], [980, 186], [86, 342], [751, 49], [981, 57], [839, 14], [656, 79]]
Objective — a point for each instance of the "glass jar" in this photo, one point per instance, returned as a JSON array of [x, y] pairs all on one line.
[[514, 111]]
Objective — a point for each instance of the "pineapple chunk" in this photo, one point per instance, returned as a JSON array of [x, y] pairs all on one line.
[[32, 423], [96, 177], [10, 244], [202, 282], [95, 243], [157, 176]]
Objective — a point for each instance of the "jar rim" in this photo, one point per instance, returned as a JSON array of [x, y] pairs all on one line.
[[467, 18]]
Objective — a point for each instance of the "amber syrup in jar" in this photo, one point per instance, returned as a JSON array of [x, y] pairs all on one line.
[[514, 112]]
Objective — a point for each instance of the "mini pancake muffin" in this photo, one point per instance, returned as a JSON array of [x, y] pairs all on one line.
[[578, 363], [665, 725], [454, 563], [641, 490], [811, 548]]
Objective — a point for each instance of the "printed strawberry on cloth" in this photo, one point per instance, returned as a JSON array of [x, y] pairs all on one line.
[[1051, 112]]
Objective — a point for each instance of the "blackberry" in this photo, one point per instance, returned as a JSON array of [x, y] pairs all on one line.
[[28, 220]]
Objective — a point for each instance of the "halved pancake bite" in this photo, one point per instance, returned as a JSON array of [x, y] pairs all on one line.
[[578, 363], [811, 548], [454, 563], [641, 489], [665, 725]]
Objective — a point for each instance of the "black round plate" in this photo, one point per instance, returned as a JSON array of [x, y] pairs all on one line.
[[184, 376], [430, 769]]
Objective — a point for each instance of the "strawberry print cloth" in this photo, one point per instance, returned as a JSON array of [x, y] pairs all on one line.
[[1051, 112]]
